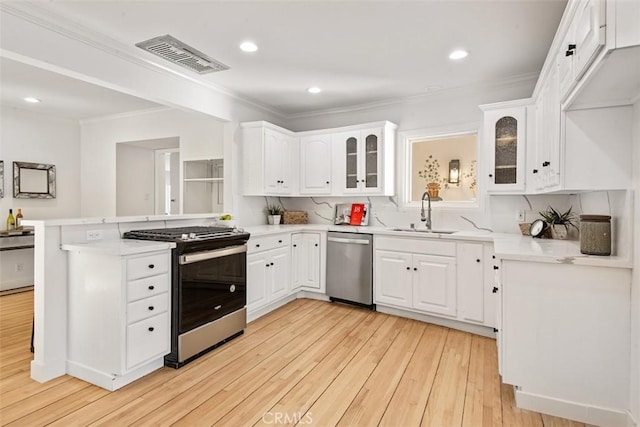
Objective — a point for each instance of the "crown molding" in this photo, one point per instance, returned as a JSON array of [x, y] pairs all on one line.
[[442, 93], [118, 116], [43, 16]]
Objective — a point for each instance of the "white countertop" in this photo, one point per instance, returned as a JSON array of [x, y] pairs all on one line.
[[506, 246], [119, 247]]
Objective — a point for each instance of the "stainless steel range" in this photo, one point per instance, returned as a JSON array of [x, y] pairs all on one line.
[[208, 289]]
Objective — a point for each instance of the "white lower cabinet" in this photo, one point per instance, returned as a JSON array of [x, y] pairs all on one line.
[[409, 276], [268, 270], [306, 250], [118, 312], [477, 292]]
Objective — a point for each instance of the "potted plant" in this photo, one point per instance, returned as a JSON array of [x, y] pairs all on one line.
[[431, 174], [559, 222], [273, 214]]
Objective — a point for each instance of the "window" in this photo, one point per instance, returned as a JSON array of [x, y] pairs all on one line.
[[436, 163]]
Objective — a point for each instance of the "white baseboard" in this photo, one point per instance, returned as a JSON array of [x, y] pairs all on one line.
[[257, 313], [571, 410], [631, 420], [111, 382], [312, 295], [485, 331]]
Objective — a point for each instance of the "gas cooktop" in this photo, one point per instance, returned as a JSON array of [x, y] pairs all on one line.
[[186, 234]]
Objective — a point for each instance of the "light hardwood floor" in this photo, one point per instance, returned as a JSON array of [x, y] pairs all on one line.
[[310, 362]]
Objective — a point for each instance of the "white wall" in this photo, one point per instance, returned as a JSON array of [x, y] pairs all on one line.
[[635, 286], [26, 136], [135, 180], [200, 136]]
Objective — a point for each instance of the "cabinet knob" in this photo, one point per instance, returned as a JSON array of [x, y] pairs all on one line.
[[495, 267], [490, 175], [478, 260], [267, 265], [545, 164], [571, 46], [151, 266], [535, 171], [295, 246], [257, 245], [279, 241], [150, 308], [408, 268], [415, 269], [493, 256], [327, 182], [568, 53], [271, 264], [494, 290], [151, 287], [495, 330], [151, 328], [316, 245]]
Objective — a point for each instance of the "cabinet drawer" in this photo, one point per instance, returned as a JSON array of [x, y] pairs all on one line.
[[147, 339], [147, 287], [147, 307], [149, 265], [424, 246], [266, 243]]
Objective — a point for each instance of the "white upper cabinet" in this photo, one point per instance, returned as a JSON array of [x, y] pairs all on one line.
[[334, 162], [505, 126], [585, 37], [315, 164], [364, 160], [267, 160]]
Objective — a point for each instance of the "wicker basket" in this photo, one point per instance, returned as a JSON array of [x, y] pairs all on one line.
[[296, 217], [524, 228]]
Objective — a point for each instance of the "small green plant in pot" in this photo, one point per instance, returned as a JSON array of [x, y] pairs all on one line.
[[559, 222], [274, 213]]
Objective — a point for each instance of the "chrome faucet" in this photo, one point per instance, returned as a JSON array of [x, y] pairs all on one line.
[[426, 218]]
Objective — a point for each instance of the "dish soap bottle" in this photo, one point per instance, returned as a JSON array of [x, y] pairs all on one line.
[[19, 219], [11, 221]]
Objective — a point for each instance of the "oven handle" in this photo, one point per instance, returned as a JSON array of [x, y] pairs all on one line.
[[218, 253]]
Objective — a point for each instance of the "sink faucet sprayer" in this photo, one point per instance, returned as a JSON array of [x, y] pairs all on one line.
[[426, 218]]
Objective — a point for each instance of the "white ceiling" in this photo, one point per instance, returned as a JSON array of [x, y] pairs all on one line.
[[359, 52], [61, 96]]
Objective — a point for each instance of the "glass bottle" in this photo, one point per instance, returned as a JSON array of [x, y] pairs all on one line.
[[11, 221], [19, 219]]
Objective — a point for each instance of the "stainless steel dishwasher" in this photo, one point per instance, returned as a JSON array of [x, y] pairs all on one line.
[[350, 268]]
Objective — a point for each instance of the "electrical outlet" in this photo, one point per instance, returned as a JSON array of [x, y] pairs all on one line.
[[520, 215], [94, 234]]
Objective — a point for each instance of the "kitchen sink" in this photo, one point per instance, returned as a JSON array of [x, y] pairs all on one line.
[[424, 230]]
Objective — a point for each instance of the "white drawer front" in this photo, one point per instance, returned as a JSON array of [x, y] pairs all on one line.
[[147, 307], [266, 243], [147, 340], [418, 245], [147, 265], [147, 287]]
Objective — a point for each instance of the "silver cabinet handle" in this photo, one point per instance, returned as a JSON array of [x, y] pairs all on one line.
[[340, 240]]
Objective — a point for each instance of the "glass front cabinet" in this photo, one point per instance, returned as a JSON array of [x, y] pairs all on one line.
[[365, 160], [504, 141]]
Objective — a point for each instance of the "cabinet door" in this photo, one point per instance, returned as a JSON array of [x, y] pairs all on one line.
[[491, 290], [273, 149], [371, 157], [256, 281], [470, 278], [589, 34], [279, 266], [347, 145], [311, 260], [434, 284], [315, 164], [565, 62], [392, 276], [505, 133], [297, 260]]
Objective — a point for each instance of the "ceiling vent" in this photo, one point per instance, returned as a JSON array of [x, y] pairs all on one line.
[[175, 51]]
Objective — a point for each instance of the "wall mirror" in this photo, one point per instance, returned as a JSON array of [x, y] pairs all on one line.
[[34, 180]]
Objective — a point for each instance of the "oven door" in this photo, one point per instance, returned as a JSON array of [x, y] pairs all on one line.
[[211, 284]]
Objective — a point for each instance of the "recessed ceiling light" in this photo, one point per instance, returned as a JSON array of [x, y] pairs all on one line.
[[31, 99], [458, 54], [314, 89], [248, 46]]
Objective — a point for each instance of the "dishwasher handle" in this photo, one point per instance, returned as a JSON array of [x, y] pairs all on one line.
[[341, 240]]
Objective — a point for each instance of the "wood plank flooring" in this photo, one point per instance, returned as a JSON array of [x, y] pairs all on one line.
[[308, 363]]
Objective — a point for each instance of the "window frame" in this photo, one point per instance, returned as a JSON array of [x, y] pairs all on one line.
[[407, 138]]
